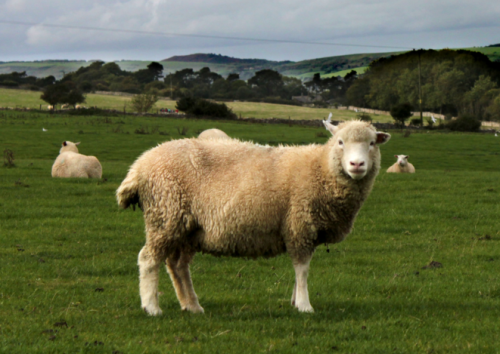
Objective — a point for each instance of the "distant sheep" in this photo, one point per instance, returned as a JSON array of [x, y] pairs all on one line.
[[50, 107], [402, 165], [70, 163], [233, 198], [65, 106], [80, 107], [213, 134]]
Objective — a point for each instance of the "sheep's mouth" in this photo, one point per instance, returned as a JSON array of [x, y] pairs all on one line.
[[357, 174]]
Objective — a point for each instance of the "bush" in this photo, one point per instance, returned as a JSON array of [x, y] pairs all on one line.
[[202, 107], [401, 112], [142, 103], [365, 117], [415, 121], [464, 123], [8, 158], [90, 112], [9, 83]]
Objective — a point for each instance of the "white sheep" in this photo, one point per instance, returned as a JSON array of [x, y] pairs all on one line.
[[233, 198], [402, 165], [50, 107], [213, 134], [70, 163], [65, 106]]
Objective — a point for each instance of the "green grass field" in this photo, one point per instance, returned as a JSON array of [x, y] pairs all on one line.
[[30, 99], [68, 256]]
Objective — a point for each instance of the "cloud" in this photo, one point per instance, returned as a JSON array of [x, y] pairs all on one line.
[[382, 22]]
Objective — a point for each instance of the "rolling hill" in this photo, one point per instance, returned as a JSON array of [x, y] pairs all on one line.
[[224, 65]]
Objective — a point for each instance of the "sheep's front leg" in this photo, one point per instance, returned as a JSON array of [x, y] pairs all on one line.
[[300, 296], [148, 281], [178, 269]]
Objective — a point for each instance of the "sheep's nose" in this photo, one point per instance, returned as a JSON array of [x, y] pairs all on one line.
[[357, 164]]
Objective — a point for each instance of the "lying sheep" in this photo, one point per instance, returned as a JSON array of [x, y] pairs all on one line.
[[70, 163], [402, 165], [213, 134], [233, 198]]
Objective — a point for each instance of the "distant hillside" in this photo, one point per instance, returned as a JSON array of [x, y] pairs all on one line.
[[219, 59], [224, 65]]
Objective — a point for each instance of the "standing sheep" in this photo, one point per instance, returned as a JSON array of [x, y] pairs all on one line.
[[70, 163], [213, 134], [402, 165], [233, 198]]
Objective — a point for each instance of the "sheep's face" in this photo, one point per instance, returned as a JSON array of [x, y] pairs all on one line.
[[356, 143], [69, 146], [402, 160]]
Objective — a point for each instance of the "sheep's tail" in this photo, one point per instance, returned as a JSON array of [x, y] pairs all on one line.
[[128, 192]]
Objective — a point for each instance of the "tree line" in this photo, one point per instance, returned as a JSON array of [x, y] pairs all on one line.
[[452, 82]]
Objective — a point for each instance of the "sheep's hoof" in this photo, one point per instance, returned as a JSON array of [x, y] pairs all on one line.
[[194, 309], [152, 310], [305, 308]]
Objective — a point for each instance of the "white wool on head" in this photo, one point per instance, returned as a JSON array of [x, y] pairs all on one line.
[[69, 146], [356, 144], [402, 159]]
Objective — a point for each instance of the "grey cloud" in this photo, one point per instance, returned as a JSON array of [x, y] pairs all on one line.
[[415, 24]]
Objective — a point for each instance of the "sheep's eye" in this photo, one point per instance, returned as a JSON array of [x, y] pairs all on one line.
[[372, 143], [341, 142]]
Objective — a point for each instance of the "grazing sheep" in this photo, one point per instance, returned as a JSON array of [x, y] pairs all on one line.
[[65, 106], [50, 107], [70, 163], [402, 165], [213, 134], [233, 198]]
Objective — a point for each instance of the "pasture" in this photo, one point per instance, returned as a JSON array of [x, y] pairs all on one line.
[[68, 256], [30, 99]]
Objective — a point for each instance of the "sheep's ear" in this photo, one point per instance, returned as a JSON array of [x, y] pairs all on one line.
[[396, 156], [406, 157], [64, 143], [382, 138], [330, 127], [78, 143]]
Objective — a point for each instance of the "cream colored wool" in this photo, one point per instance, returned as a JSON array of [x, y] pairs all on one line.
[[213, 134], [402, 165], [233, 198], [70, 163]]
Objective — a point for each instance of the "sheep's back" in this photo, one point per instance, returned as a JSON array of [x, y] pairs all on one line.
[[236, 193], [71, 164]]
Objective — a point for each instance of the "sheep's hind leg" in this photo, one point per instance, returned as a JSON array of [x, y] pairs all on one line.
[[149, 266], [300, 297], [178, 269]]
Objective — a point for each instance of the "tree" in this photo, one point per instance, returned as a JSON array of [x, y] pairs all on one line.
[[144, 102], [73, 96], [401, 112], [54, 94], [268, 81], [233, 77], [156, 69], [315, 85]]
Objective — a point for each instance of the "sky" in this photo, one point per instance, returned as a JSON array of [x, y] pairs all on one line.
[[289, 29]]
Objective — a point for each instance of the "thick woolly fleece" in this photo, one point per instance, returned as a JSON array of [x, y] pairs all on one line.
[[213, 134], [227, 197], [70, 163]]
